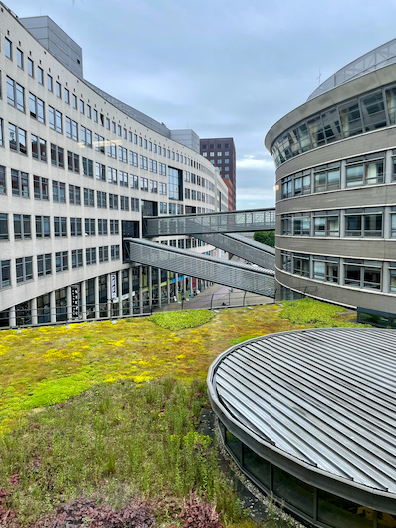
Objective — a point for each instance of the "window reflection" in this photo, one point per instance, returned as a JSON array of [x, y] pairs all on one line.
[[350, 120], [342, 513], [257, 466], [298, 493]]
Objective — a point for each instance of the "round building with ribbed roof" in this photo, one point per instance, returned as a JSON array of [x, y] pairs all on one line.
[[310, 416]]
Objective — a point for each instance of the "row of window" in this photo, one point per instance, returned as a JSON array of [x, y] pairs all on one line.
[[24, 266], [357, 273], [182, 243], [362, 170], [371, 111], [23, 229], [219, 154], [358, 222], [212, 145]]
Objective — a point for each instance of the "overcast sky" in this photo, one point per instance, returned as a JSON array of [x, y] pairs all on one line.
[[222, 68]]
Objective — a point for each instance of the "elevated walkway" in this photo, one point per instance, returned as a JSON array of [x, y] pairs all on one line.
[[243, 247], [197, 224], [220, 271]]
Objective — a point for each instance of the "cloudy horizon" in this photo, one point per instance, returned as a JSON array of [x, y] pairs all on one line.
[[224, 69]]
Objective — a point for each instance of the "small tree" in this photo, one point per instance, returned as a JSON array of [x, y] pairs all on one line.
[[265, 237]]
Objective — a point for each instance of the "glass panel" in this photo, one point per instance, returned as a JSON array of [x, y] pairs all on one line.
[[386, 519], [353, 225], [331, 125], [373, 225], [352, 275], [374, 172], [257, 466], [391, 104], [234, 444], [316, 132], [294, 491], [320, 181], [354, 175], [333, 179], [373, 110], [350, 120], [342, 513], [319, 270], [372, 278]]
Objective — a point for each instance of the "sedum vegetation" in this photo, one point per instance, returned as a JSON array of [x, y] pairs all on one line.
[[103, 418]]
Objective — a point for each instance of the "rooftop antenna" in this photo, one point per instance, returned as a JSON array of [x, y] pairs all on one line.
[[318, 77]]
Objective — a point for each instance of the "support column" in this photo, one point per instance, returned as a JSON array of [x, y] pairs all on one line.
[[150, 286], [119, 292], [130, 281], [96, 297], [108, 286], [341, 273], [159, 288], [53, 307], [140, 289], [176, 286], [388, 167], [168, 286], [83, 296], [184, 286], [68, 303], [12, 316], [33, 307]]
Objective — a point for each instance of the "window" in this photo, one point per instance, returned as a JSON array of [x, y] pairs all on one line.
[[95, 113], [81, 106], [302, 183], [74, 99], [363, 222], [22, 230], [286, 260], [123, 178], [134, 182], [115, 252], [55, 119], [71, 129], [30, 67], [113, 201], [15, 94], [5, 273], [112, 175], [301, 224], [143, 162], [144, 184], [57, 156], [133, 158], [17, 139], [102, 226], [60, 226], [24, 269], [175, 184], [58, 90], [40, 188], [73, 162], [365, 170], [49, 83], [327, 178], [363, 274], [326, 223], [89, 112], [77, 258], [89, 226], [40, 75], [392, 272], [122, 154], [113, 127], [119, 130], [3, 226], [87, 167], [100, 171], [101, 201], [8, 48], [89, 198], [114, 227], [162, 188], [124, 203], [86, 137], [75, 227], [61, 261], [99, 144], [153, 165], [107, 123], [67, 96], [74, 194], [135, 139], [111, 149], [163, 208], [37, 108], [301, 264], [39, 148], [325, 268], [43, 229], [20, 183], [1, 133], [135, 204], [103, 253], [286, 187], [153, 186]]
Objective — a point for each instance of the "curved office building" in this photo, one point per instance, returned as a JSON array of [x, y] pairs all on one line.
[[309, 416], [335, 158], [78, 169]]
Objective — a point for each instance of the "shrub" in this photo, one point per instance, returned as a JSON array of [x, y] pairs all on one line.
[[183, 319], [199, 514], [308, 310]]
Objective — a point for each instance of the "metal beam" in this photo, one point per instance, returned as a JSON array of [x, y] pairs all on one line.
[[220, 271], [226, 222], [243, 247]]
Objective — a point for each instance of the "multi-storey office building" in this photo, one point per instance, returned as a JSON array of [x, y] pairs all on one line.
[[221, 152], [335, 158], [78, 168]]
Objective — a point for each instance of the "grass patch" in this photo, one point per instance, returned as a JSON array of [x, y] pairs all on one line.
[[183, 319], [319, 314]]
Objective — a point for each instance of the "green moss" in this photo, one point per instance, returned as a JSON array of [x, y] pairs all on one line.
[[183, 319], [236, 340], [309, 311]]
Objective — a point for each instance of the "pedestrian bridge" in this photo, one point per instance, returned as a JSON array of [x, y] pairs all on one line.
[[228, 273], [223, 222]]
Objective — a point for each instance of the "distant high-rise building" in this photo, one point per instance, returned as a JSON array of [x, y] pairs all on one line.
[[221, 152]]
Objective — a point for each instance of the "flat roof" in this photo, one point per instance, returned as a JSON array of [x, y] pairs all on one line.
[[324, 397]]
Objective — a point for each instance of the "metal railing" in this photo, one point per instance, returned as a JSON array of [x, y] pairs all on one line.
[[219, 271], [243, 247], [226, 222]]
